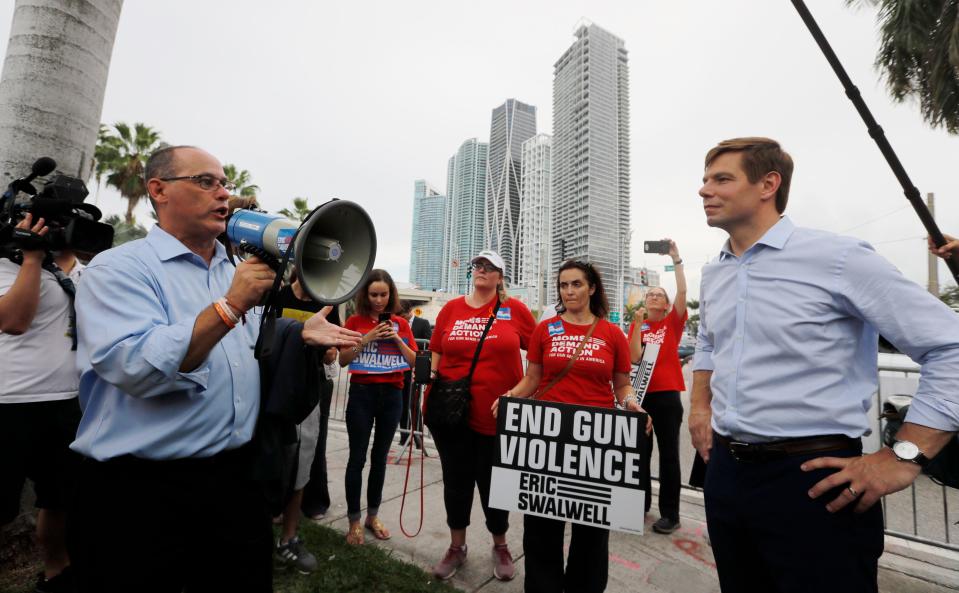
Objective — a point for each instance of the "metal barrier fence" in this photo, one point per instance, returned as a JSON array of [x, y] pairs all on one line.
[[921, 512], [912, 514]]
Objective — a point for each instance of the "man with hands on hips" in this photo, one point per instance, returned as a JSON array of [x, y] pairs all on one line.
[[784, 373], [170, 393]]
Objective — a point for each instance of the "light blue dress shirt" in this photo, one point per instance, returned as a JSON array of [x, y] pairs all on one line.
[[789, 330], [136, 309]]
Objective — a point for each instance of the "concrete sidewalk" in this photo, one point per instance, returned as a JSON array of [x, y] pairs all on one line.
[[681, 562]]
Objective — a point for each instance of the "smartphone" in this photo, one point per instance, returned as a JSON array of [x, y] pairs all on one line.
[[385, 318], [421, 367], [656, 247]]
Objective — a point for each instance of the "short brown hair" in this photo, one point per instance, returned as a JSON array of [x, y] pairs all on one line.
[[759, 157], [363, 295]]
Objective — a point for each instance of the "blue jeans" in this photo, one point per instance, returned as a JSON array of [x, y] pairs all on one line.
[[369, 405]]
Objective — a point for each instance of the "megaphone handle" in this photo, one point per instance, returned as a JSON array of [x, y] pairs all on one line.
[[264, 255]]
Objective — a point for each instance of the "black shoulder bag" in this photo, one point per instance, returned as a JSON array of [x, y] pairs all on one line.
[[448, 406]]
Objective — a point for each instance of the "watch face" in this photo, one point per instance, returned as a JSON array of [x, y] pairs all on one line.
[[905, 450]]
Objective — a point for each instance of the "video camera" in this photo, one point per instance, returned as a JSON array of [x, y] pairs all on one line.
[[72, 224]]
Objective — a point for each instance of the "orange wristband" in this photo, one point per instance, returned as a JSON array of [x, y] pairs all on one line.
[[223, 315], [241, 315]]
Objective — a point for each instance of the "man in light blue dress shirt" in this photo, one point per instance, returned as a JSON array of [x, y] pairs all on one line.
[[784, 374], [170, 393]]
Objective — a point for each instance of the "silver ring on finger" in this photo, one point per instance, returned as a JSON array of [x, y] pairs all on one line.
[[852, 491]]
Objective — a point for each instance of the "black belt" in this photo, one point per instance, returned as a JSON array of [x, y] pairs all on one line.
[[227, 459], [787, 447]]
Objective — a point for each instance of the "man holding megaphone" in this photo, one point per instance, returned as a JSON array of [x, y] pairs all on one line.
[[170, 393]]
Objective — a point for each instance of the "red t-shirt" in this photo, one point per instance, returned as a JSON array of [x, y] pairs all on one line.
[[589, 382], [500, 366], [667, 374], [366, 366]]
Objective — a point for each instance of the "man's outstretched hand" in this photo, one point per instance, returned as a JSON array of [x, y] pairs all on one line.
[[317, 331]]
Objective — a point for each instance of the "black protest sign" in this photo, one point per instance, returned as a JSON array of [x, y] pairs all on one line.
[[568, 462]]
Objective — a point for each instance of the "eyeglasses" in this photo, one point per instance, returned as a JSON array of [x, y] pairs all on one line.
[[658, 295], [206, 182], [485, 266]]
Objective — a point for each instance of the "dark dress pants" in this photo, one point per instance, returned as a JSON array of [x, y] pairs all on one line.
[[191, 525], [666, 410], [587, 568], [316, 495], [768, 536]]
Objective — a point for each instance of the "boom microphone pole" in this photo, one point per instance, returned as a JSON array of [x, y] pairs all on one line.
[[911, 191]]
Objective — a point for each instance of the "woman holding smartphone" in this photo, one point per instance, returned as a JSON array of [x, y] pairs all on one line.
[[376, 368], [598, 378], [663, 323]]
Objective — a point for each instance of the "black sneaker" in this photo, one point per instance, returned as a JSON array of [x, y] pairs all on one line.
[[294, 553], [666, 525]]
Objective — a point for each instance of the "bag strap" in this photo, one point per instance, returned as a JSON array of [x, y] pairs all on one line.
[[479, 346], [569, 365]]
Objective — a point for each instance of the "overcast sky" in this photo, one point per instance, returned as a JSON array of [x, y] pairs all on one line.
[[357, 100]]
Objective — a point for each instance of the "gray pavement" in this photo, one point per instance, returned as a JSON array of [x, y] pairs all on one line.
[[682, 562]]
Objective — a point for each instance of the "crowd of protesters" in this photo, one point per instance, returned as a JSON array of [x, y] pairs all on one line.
[[147, 402]]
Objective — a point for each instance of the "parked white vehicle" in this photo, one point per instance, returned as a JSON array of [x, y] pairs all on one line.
[[898, 382]]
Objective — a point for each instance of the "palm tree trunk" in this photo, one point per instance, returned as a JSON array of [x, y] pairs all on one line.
[[51, 97], [53, 82], [131, 205]]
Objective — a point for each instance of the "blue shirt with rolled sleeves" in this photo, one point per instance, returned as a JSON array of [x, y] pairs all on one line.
[[789, 330], [136, 309]]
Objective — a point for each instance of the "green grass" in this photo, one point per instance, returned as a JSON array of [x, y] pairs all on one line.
[[342, 567], [352, 568]]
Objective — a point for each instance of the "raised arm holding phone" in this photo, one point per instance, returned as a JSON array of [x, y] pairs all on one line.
[[663, 322]]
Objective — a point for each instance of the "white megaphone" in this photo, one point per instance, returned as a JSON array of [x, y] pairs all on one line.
[[333, 249]]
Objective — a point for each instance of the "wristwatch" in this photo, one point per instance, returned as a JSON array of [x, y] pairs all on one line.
[[908, 451]]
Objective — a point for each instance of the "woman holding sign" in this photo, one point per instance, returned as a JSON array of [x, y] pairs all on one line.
[[467, 453], [576, 357], [661, 330], [376, 383]]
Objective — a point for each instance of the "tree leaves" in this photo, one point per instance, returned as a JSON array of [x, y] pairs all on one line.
[[121, 156], [918, 55]]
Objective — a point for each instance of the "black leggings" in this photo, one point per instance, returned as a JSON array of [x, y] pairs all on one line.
[[467, 460], [666, 410]]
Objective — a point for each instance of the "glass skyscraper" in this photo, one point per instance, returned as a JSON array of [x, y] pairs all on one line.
[[465, 214], [535, 264], [590, 212], [512, 123], [429, 229]]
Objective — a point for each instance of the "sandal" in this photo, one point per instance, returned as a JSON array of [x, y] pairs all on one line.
[[376, 526], [354, 536]]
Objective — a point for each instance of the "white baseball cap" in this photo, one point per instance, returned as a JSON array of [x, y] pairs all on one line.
[[490, 256]]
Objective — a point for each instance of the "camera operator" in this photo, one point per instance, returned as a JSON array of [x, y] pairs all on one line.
[[38, 395], [170, 392]]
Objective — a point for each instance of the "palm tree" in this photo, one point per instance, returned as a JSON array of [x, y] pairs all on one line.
[[123, 231], [919, 55], [35, 119], [241, 178], [300, 210], [56, 114], [121, 154]]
